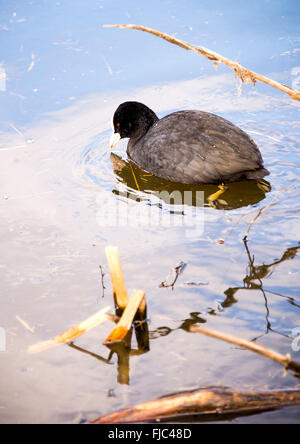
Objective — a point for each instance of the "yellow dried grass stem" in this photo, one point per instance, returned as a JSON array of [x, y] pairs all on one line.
[[244, 74], [73, 333]]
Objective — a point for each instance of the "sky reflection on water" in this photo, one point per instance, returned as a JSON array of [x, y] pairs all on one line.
[[61, 77]]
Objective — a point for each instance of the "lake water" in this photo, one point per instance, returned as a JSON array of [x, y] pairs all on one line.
[[64, 197]]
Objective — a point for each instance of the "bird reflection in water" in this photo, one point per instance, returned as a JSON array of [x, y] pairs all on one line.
[[229, 197]]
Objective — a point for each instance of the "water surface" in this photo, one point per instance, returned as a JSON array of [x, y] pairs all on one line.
[[63, 75]]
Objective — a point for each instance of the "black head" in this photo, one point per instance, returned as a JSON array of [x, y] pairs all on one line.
[[133, 119]]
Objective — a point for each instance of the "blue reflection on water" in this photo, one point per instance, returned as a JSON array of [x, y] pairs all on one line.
[[54, 53]]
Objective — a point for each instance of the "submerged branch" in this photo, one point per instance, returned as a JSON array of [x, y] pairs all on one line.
[[244, 74], [214, 401]]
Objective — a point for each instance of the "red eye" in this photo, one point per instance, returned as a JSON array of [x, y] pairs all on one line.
[[117, 125]]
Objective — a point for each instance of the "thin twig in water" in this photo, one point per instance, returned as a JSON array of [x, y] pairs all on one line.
[[263, 209], [87, 352], [16, 130], [25, 324], [102, 281], [285, 361], [177, 270], [288, 298], [245, 75], [274, 202]]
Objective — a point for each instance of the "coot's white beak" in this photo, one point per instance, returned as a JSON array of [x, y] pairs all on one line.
[[114, 140]]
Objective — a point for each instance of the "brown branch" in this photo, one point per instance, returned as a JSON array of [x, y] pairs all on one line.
[[244, 74], [216, 401], [285, 361]]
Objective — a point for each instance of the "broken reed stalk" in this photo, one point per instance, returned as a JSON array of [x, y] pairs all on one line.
[[285, 361], [211, 401], [244, 74], [125, 323], [117, 279], [73, 333]]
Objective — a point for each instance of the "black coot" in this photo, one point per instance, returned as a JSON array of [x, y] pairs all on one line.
[[190, 147]]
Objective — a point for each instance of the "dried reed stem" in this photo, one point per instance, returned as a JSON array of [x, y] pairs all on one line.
[[117, 279], [244, 74], [285, 361], [73, 333]]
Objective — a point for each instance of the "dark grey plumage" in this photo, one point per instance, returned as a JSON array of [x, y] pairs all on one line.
[[190, 147]]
